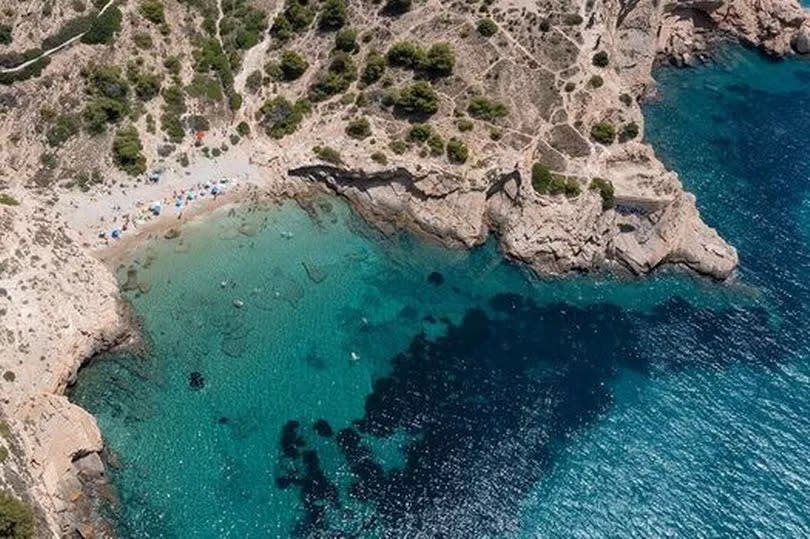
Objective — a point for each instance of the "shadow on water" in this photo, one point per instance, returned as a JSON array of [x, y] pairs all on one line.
[[484, 407]]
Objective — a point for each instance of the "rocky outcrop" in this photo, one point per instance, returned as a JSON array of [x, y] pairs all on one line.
[[554, 235]]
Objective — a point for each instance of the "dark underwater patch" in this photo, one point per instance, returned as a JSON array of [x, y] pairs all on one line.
[[196, 381], [435, 278], [322, 428], [470, 399]]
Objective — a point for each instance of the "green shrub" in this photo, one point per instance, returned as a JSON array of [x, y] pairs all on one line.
[[439, 60], [487, 27], [174, 106], [333, 14], [457, 151], [375, 67], [146, 85], [545, 25], [172, 65], [127, 149], [109, 97], [5, 34], [379, 157], [8, 200], [330, 155], [336, 79], [16, 518], [3, 454], [243, 129], [626, 100], [397, 7], [280, 117], [419, 133], [235, 101], [104, 27], [417, 98], [63, 129], [254, 81], [281, 30], [234, 139], [346, 40], [600, 59], [436, 144], [405, 54], [606, 191], [152, 11], [292, 65], [557, 185], [570, 86], [596, 81], [398, 146], [358, 128], [205, 86], [85, 180], [572, 188], [603, 132], [541, 178], [142, 40], [464, 125], [484, 108], [629, 131]]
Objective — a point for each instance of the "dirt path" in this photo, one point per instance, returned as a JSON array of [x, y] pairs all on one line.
[[56, 49]]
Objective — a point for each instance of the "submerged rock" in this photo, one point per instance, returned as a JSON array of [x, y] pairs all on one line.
[[172, 233], [314, 272], [322, 428], [196, 381], [435, 278]]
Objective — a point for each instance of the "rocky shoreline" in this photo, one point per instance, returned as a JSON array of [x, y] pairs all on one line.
[[58, 318]]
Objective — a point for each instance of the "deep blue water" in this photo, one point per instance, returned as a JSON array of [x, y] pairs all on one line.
[[483, 403]]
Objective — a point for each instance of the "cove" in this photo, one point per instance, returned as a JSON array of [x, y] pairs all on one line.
[[305, 376]]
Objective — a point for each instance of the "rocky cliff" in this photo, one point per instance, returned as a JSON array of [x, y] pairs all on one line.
[[455, 120]]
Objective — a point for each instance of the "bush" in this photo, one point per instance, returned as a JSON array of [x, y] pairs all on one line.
[[174, 106], [336, 79], [375, 67], [572, 188], [8, 200], [16, 518], [254, 81], [439, 60], [9, 376], [417, 98], [464, 125], [487, 27], [3, 454], [596, 81], [545, 25], [281, 30], [109, 97], [69, 29], [606, 191], [152, 11], [172, 65], [146, 85], [419, 133], [405, 54], [626, 100], [243, 129], [379, 157], [557, 185], [484, 108], [436, 144], [292, 65], [104, 27], [127, 151], [142, 40], [281, 118], [5, 34], [63, 129], [358, 128], [398, 146], [330, 155], [397, 7], [603, 132], [600, 59], [541, 178], [346, 40], [629, 131], [333, 15], [457, 151], [570, 86]]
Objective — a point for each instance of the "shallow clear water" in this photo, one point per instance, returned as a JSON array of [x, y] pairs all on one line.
[[482, 402]]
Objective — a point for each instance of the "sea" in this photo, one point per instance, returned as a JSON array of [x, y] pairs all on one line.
[[306, 376]]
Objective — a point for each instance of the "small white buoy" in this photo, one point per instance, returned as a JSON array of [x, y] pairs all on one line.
[[223, 284], [238, 303], [355, 357]]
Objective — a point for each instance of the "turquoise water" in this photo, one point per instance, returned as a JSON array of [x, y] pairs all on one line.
[[481, 403]]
